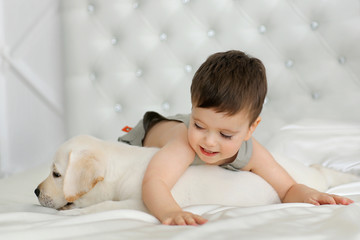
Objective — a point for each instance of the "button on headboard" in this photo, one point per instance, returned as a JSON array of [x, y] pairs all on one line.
[[125, 57]]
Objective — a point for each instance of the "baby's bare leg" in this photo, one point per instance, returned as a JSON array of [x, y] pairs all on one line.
[[161, 133]]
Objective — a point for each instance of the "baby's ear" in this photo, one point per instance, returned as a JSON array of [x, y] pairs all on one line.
[[83, 172], [252, 128]]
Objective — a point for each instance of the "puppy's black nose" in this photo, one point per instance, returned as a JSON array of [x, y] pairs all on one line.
[[37, 192]]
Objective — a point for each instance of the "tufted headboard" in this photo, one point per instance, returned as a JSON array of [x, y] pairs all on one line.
[[125, 57]]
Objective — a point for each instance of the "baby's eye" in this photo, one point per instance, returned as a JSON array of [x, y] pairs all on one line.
[[226, 136], [198, 126]]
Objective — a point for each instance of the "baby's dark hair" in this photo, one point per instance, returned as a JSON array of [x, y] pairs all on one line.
[[230, 82]]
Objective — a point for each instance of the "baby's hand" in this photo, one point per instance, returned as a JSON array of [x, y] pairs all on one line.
[[182, 218], [320, 198], [302, 193]]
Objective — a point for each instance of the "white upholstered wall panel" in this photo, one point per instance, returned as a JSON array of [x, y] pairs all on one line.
[[126, 57], [31, 121]]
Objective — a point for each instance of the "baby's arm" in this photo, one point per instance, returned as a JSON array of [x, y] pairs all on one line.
[[164, 169], [264, 165]]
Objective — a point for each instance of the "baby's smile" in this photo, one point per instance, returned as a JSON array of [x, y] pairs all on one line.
[[208, 153]]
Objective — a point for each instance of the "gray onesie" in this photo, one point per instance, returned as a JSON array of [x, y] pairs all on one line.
[[138, 133]]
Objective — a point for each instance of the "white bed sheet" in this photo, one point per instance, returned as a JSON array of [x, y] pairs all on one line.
[[21, 217]]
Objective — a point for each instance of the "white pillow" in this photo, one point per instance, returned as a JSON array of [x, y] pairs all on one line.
[[334, 145]]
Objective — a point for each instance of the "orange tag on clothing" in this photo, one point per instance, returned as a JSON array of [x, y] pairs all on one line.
[[127, 129]]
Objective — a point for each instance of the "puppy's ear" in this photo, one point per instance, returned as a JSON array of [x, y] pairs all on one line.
[[83, 172]]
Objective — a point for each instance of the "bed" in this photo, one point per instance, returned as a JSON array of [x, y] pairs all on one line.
[[122, 58], [21, 216]]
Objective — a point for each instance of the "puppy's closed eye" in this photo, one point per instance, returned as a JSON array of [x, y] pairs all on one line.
[[56, 174]]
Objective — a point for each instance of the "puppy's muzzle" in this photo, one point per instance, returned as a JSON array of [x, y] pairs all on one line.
[[47, 202]]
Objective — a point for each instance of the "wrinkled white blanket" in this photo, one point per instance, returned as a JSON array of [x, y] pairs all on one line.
[[21, 217]]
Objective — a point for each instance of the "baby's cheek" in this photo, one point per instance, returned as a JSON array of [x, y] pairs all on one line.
[[232, 149], [194, 138]]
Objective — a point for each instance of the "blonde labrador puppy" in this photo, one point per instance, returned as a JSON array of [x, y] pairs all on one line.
[[95, 175]]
